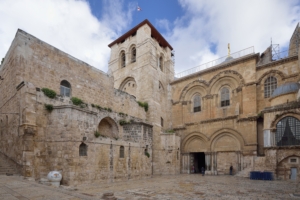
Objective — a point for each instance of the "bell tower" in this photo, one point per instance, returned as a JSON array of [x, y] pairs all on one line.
[[142, 65]]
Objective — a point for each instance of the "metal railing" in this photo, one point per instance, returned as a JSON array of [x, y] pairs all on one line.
[[225, 59], [277, 56]]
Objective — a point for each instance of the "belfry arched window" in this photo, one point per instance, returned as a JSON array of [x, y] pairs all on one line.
[[288, 132], [197, 103], [133, 54], [82, 149], [65, 88], [123, 59], [270, 86], [225, 97]]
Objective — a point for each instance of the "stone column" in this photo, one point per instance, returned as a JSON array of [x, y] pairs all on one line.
[[207, 161]]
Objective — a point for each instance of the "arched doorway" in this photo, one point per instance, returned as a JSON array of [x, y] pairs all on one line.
[[226, 152], [194, 153]]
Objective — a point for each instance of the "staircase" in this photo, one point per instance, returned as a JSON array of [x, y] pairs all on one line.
[[7, 167], [245, 172]]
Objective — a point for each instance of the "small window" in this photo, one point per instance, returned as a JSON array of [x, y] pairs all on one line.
[[293, 160], [65, 88], [121, 151], [197, 103], [270, 86], [225, 97], [133, 54], [123, 59], [160, 63], [162, 122], [83, 149]]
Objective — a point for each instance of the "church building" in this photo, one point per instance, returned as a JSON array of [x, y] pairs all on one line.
[[141, 119]]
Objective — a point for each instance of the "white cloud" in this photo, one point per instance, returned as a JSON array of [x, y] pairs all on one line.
[[241, 23], [65, 24]]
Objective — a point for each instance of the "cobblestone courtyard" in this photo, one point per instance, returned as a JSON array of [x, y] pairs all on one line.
[[159, 188]]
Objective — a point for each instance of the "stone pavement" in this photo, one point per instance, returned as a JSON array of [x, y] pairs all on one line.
[[181, 187]]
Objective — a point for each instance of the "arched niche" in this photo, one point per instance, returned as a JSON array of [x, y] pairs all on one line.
[[129, 85], [108, 127]]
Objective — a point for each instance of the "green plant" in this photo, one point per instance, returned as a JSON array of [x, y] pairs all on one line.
[[76, 101], [49, 93], [109, 109], [144, 105], [98, 107], [116, 138], [260, 115], [97, 134], [49, 107], [147, 154], [92, 105], [123, 122], [170, 131]]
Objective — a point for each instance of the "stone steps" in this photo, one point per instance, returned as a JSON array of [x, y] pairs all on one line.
[[6, 167]]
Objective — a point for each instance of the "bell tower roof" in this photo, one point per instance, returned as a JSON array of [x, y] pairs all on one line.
[[154, 33]]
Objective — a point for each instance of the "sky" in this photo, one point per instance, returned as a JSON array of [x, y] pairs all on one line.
[[198, 30]]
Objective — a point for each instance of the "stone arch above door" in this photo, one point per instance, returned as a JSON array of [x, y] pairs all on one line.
[[195, 142], [226, 140]]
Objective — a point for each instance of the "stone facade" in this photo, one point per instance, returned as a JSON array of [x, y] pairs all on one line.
[[138, 120]]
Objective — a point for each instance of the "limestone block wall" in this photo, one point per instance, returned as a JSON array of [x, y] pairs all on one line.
[[61, 132], [285, 70]]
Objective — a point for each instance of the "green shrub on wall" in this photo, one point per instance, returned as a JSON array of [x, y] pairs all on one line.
[[144, 105], [97, 134], [49, 93], [49, 107], [76, 101]]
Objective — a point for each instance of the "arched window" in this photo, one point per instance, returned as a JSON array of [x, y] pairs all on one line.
[[133, 54], [65, 88], [123, 59], [270, 86], [197, 103], [160, 63], [121, 151], [288, 132], [82, 149], [225, 97]]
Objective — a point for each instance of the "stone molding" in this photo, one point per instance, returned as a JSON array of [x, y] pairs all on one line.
[[278, 62], [216, 68]]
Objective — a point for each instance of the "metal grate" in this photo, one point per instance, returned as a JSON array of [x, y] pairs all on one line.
[[288, 132], [225, 97], [270, 86], [197, 103]]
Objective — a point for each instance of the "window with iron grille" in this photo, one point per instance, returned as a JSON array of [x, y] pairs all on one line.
[[225, 97], [123, 59], [83, 149], [133, 54], [288, 132], [65, 88], [270, 86], [197, 103], [121, 151]]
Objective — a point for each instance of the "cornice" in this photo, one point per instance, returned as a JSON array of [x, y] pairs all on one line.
[[278, 62], [216, 68]]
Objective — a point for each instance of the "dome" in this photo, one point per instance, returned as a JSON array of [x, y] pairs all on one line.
[[229, 58], [285, 89]]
